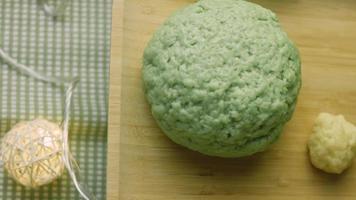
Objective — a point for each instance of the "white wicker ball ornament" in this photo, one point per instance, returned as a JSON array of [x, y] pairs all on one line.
[[32, 152]]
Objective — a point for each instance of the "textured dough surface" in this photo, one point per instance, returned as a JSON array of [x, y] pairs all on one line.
[[333, 143], [222, 77]]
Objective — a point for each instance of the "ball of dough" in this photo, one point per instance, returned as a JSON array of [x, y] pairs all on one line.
[[333, 143], [32, 152], [222, 77]]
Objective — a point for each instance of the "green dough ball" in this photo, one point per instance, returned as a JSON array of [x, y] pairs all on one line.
[[222, 77]]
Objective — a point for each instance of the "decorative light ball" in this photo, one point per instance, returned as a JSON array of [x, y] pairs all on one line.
[[32, 152]]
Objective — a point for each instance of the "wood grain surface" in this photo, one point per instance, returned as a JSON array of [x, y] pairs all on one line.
[[151, 167], [113, 168]]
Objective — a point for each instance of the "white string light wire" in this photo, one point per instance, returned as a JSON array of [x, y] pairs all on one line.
[[70, 84]]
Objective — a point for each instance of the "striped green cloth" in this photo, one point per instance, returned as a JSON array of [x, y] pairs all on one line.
[[78, 44]]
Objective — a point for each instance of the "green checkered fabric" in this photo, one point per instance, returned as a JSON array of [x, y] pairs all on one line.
[[77, 44]]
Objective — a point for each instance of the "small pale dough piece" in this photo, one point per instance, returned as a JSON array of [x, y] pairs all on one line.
[[333, 143]]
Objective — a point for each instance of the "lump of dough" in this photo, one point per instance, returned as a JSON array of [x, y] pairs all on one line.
[[222, 77], [332, 145]]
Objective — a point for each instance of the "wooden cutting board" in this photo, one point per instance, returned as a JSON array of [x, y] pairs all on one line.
[[154, 168]]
